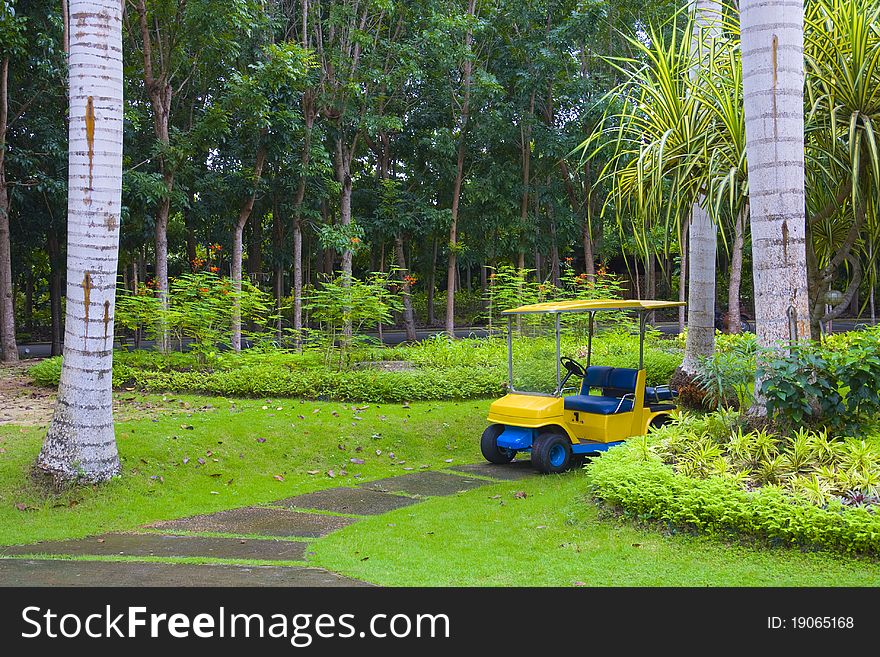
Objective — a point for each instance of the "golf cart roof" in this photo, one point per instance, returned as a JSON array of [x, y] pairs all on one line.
[[591, 305]]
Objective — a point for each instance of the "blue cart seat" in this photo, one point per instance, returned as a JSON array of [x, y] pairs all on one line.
[[597, 404], [653, 395]]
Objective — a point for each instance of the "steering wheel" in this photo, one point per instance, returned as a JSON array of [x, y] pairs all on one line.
[[572, 366]]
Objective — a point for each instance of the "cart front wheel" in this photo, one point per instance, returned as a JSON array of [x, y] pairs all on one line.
[[489, 446], [551, 453]]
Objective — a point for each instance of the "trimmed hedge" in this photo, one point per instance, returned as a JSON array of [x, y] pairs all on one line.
[[632, 480], [261, 381]]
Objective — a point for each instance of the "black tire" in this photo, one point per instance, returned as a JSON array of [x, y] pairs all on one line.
[[660, 420], [489, 445], [551, 453]]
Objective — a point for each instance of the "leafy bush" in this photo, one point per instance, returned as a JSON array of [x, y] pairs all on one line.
[[833, 385], [200, 308], [255, 379], [340, 302], [705, 490], [729, 374]]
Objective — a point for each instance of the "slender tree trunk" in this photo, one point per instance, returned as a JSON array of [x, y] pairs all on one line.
[[278, 268], [159, 90], [243, 215], [702, 243], [8, 346], [873, 282], [525, 132], [53, 248], [409, 323], [191, 239], [554, 252], [463, 120], [305, 158], [255, 250], [432, 273], [80, 443], [736, 264], [343, 176], [773, 87], [683, 275], [702, 234]]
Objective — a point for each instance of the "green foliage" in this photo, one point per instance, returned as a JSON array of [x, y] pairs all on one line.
[[436, 368], [138, 311], [729, 373], [831, 384], [201, 307], [347, 302], [636, 481]]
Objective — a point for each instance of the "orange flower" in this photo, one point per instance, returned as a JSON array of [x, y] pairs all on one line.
[[214, 270], [355, 240]]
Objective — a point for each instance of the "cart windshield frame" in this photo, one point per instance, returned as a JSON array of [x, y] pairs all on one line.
[[591, 306]]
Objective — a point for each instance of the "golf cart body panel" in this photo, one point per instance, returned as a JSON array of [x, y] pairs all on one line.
[[612, 404]]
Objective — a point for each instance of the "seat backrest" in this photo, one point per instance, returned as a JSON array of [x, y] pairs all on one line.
[[596, 376], [621, 380]]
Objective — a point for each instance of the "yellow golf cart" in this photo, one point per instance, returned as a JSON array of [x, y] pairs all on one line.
[[610, 405]]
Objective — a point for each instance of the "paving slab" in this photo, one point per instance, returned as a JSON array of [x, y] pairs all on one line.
[[157, 545], [44, 572], [426, 484], [261, 521], [357, 501], [507, 472]]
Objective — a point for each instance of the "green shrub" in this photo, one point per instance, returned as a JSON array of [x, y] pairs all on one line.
[[47, 372], [634, 480], [290, 375], [832, 384]]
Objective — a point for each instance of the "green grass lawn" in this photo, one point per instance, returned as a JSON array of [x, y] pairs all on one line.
[[163, 477], [490, 536], [554, 537]]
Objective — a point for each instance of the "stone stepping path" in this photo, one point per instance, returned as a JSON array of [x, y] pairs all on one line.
[[513, 471], [33, 572], [426, 484], [354, 501], [261, 521], [157, 545], [285, 518]]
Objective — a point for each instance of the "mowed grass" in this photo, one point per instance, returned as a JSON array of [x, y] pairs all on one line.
[[251, 452], [553, 536]]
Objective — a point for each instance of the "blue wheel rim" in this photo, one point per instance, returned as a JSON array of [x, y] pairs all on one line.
[[557, 455]]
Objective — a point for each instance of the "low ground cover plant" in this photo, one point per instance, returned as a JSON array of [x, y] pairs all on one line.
[[712, 474], [436, 368]]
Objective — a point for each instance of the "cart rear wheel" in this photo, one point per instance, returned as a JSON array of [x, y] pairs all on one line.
[[551, 453], [489, 445]]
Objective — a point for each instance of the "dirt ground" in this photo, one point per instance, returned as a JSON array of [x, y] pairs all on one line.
[[21, 402], [25, 404]]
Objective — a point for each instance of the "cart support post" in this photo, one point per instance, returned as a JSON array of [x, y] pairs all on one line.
[[510, 351], [643, 318], [590, 338], [558, 352]]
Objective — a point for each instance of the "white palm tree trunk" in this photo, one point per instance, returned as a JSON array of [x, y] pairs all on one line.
[[702, 233], [773, 88], [80, 443]]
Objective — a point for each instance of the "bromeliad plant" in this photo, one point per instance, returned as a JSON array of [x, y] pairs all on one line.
[[809, 465]]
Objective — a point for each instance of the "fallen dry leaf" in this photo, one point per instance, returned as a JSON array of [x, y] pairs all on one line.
[[278, 477]]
